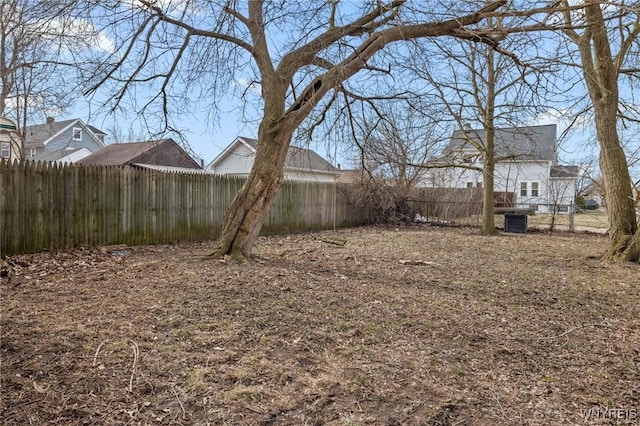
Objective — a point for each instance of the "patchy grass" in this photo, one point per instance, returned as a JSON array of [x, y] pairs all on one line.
[[416, 325], [589, 219]]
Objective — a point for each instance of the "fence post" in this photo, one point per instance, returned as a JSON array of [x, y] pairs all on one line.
[[572, 210]]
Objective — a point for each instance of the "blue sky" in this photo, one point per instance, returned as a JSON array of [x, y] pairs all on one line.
[[207, 139], [207, 136]]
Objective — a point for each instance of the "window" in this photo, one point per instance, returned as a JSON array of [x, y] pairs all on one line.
[[32, 152], [469, 184], [534, 207], [77, 134], [534, 189], [479, 184], [5, 150], [523, 189]]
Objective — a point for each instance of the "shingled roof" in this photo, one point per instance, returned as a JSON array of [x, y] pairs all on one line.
[[300, 158], [297, 158], [163, 152], [37, 134], [517, 143]]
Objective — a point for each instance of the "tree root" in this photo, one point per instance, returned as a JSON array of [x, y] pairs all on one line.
[[625, 248]]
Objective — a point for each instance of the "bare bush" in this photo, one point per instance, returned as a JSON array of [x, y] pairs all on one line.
[[388, 203]]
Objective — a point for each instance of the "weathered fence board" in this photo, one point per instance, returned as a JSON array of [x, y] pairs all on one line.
[[46, 206]]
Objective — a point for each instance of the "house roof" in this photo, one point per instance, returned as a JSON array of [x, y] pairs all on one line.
[[564, 171], [7, 124], [164, 152], [39, 134], [297, 158], [519, 143], [95, 130]]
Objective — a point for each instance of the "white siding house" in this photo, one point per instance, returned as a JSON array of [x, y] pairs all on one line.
[[300, 165], [526, 167], [237, 159], [9, 140]]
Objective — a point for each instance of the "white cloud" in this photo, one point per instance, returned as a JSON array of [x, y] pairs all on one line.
[[250, 86], [563, 118], [577, 13], [15, 102], [84, 32], [72, 34], [34, 103], [104, 43]]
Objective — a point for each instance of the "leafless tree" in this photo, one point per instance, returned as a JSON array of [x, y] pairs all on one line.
[[38, 47], [604, 40], [588, 179], [558, 191], [482, 88], [389, 144], [395, 141], [606, 35], [295, 52]]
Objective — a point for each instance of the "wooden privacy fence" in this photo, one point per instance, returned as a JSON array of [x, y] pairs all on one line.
[[46, 206]]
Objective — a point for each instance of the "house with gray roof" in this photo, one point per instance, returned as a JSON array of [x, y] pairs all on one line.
[[300, 165], [163, 154], [526, 166], [62, 141]]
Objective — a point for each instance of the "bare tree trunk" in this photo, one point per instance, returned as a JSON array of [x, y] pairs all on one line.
[[488, 174], [601, 75], [488, 197], [244, 218], [632, 252], [319, 60], [615, 172], [554, 213], [489, 160]]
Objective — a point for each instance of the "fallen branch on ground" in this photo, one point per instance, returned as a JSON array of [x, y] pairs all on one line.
[[95, 357], [136, 355], [336, 241]]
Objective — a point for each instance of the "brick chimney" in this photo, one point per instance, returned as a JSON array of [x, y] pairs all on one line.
[[50, 120]]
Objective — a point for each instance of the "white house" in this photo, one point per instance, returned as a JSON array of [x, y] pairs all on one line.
[[300, 165], [9, 140], [526, 167]]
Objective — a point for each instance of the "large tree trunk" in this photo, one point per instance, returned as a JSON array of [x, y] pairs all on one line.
[[488, 178], [632, 252], [601, 76], [489, 160], [619, 196], [488, 171], [244, 218]]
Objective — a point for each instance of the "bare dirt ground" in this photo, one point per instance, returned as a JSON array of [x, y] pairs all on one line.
[[418, 325]]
